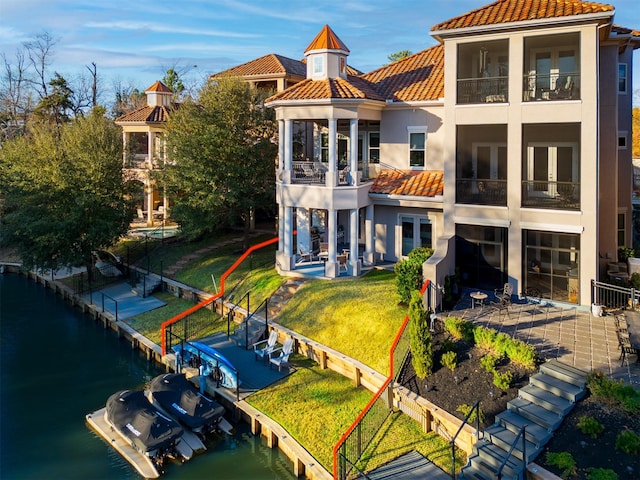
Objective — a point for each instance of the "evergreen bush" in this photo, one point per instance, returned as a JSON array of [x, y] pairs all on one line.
[[420, 339], [449, 360], [409, 272]]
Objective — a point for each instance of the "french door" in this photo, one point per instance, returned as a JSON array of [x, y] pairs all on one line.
[[549, 166]]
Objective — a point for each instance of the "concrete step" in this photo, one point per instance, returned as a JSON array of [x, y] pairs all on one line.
[[535, 413], [545, 399], [536, 434], [472, 472], [505, 438], [490, 457], [558, 387], [564, 372]]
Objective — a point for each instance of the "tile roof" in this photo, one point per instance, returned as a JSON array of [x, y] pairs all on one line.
[[332, 88], [505, 11], [159, 87], [270, 64], [427, 183], [416, 78], [147, 114], [326, 40], [625, 31]]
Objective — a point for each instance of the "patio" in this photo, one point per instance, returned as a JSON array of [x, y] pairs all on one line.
[[570, 334]]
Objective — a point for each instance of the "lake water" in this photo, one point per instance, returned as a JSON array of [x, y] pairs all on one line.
[[57, 365]]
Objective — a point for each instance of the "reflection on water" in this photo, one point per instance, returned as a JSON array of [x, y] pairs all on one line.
[[57, 365]]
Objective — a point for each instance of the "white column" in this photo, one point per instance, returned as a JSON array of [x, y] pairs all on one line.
[[353, 133], [369, 247], [281, 228], [332, 174], [149, 191], [281, 143], [303, 227], [288, 151], [354, 261], [151, 140], [331, 267]]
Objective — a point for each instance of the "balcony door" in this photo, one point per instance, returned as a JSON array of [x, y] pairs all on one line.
[[490, 161], [550, 167], [547, 66]]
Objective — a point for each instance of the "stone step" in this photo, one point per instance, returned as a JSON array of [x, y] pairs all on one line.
[[558, 387], [472, 472], [545, 399], [505, 438], [535, 433], [535, 413], [564, 372], [490, 457]]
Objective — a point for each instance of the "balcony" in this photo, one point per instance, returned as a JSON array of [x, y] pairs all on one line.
[[550, 87], [551, 195], [483, 90], [314, 173], [481, 191]]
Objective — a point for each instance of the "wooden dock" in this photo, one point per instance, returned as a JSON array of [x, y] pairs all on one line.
[[140, 462]]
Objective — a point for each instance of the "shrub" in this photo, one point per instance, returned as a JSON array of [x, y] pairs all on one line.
[[489, 363], [601, 474], [522, 353], [628, 442], [449, 360], [590, 426], [614, 391], [448, 345], [564, 461], [484, 338], [503, 380], [420, 339], [459, 328], [478, 413], [409, 272], [501, 344]]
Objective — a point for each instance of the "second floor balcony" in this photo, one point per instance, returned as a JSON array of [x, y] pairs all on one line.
[[551, 195], [483, 90], [481, 191], [315, 173], [550, 87]]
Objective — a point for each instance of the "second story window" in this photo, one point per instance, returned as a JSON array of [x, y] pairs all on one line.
[[417, 147], [622, 78], [374, 147]]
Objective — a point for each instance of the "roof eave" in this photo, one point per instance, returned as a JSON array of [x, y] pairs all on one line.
[[323, 102], [540, 22], [418, 103]]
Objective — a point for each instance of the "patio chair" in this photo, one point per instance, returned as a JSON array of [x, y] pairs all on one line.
[[283, 357], [624, 343], [304, 256], [264, 348], [342, 262], [503, 298]]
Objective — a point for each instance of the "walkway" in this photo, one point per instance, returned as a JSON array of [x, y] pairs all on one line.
[[570, 334]]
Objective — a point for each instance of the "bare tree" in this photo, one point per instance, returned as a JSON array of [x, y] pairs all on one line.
[[16, 100], [40, 52], [93, 69]]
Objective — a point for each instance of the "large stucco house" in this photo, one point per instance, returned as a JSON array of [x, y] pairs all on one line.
[[506, 148]]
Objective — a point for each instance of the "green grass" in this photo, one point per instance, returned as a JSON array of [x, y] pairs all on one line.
[[332, 398], [340, 314], [148, 323]]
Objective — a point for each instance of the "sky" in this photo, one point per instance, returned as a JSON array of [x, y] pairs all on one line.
[[134, 42]]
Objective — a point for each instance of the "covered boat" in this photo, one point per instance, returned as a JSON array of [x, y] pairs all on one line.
[[147, 430], [177, 397]]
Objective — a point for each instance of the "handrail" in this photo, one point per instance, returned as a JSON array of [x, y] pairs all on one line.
[[476, 407], [215, 297], [265, 302], [377, 395], [521, 433], [233, 309]]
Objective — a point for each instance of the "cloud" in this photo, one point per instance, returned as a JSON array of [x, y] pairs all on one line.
[[160, 28]]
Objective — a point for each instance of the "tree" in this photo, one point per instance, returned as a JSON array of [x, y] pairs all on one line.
[[221, 165], [62, 192], [127, 99], [173, 81], [394, 57], [420, 339], [57, 105]]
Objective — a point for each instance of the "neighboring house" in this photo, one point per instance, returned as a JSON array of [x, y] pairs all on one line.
[[144, 145], [503, 148]]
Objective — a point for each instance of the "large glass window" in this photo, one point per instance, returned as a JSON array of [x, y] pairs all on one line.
[[481, 256], [417, 148], [416, 232], [374, 147], [552, 264]]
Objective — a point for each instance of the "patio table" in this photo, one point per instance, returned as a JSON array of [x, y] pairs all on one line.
[[478, 298], [633, 326]]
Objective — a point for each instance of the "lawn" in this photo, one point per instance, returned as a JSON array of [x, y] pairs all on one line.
[[358, 317]]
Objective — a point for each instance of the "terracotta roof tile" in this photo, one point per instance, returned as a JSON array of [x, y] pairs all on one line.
[[336, 88], [416, 78], [625, 31], [326, 40], [505, 11], [147, 114], [270, 64], [427, 183], [159, 87]]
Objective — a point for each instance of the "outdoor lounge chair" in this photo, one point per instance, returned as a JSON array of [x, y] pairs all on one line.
[[283, 357], [304, 256], [264, 348]]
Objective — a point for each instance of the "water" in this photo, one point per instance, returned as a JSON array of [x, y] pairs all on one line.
[[57, 365]]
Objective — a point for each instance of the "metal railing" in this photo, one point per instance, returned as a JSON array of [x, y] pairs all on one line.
[[551, 86], [614, 296], [483, 90], [476, 409], [521, 434], [549, 194], [308, 172], [481, 191]]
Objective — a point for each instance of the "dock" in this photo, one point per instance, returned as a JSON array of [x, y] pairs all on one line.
[[143, 464]]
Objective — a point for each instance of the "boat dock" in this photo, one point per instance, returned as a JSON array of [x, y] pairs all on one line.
[[140, 462]]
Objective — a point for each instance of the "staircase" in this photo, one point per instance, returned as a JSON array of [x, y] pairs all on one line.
[[540, 407], [147, 284]]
